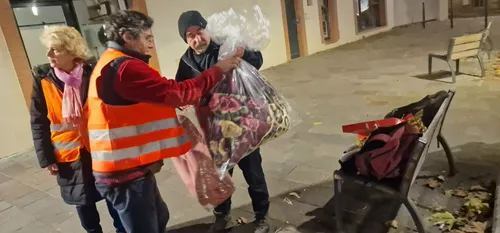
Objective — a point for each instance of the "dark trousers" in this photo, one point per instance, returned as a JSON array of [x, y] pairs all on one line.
[[251, 166], [139, 204], [89, 217]]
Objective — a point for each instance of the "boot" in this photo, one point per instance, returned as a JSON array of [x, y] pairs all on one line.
[[220, 223], [261, 225]]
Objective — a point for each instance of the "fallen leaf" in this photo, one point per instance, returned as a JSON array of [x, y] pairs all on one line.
[[448, 193], [478, 188], [242, 220], [286, 200], [483, 196], [474, 227], [294, 194], [459, 192], [318, 123], [475, 206], [433, 183], [393, 224], [447, 219], [441, 178]]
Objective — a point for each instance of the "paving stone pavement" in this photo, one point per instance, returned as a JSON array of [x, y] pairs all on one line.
[[356, 82]]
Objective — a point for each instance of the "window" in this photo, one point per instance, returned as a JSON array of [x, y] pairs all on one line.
[[370, 14], [478, 3], [328, 20]]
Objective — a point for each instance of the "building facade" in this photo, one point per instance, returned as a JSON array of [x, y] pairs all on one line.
[[298, 28], [474, 8]]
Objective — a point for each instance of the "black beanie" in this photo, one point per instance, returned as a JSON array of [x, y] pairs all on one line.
[[188, 19]]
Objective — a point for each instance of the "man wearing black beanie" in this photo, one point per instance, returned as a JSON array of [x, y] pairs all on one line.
[[200, 56]]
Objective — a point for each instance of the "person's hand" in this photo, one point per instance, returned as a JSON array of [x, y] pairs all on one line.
[[228, 64], [52, 169], [239, 52]]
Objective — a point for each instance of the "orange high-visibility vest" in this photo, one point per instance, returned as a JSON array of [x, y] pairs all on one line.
[[66, 138], [124, 137]]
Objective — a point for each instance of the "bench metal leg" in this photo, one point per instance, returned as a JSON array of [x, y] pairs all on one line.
[[452, 72], [410, 206], [449, 156], [457, 66], [337, 186], [481, 65], [490, 42], [488, 46]]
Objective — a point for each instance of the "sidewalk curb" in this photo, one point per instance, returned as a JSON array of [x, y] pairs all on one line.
[[496, 210], [5, 158]]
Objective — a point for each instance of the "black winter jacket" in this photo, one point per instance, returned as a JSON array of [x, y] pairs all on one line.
[[190, 68], [74, 178]]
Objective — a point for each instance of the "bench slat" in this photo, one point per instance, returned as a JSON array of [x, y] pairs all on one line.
[[465, 47], [468, 38], [464, 54]]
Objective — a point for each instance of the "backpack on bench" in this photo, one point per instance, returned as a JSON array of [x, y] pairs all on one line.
[[385, 150]]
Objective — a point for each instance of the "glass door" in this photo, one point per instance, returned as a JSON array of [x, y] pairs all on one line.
[[31, 22], [33, 16]]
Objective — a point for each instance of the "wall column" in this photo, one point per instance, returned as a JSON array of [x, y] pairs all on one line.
[[140, 5], [443, 6], [16, 49]]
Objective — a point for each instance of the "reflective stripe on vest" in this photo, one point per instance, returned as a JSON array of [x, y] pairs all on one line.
[[66, 145], [129, 131], [66, 138], [102, 140], [128, 136], [61, 127]]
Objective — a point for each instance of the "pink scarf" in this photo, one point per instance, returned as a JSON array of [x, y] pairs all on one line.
[[71, 101]]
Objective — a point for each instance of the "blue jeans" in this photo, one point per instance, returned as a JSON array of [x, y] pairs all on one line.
[[139, 204], [90, 220]]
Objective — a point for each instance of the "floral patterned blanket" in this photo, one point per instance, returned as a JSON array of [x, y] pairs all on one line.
[[243, 112]]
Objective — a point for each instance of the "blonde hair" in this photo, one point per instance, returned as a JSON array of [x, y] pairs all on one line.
[[67, 38]]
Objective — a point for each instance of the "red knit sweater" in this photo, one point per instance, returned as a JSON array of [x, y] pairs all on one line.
[[136, 81]]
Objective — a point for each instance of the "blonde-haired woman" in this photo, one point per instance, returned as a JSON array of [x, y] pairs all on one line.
[[58, 122]]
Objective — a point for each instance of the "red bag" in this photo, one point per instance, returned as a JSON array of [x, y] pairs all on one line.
[[385, 150], [197, 170]]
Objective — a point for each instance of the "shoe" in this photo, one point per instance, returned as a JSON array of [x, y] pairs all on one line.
[[261, 226], [220, 223]]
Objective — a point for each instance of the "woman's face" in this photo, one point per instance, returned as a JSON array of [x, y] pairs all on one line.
[[60, 58]]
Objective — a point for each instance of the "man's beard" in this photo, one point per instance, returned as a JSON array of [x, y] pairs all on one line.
[[201, 48]]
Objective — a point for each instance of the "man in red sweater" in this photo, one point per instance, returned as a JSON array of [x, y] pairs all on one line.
[[119, 85]]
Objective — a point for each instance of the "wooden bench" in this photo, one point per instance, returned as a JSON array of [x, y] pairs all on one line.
[[461, 47], [401, 190]]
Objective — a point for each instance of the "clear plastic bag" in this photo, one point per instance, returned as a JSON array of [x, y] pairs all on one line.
[[244, 110], [244, 29], [197, 171]]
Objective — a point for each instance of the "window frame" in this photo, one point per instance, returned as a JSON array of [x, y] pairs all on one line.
[[332, 19], [383, 16]]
